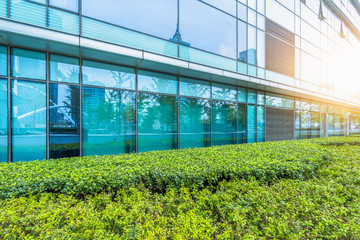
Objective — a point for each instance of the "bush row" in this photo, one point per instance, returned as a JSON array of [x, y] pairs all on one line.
[[193, 168], [326, 207]]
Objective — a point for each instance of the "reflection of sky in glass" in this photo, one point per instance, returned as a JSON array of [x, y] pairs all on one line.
[[64, 69], [71, 5], [158, 18], [3, 60], [28, 64], [108, 75], [206, 28], [157, 82]]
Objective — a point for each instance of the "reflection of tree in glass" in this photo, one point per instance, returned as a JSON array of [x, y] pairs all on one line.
[[194, 115], [123, 79]]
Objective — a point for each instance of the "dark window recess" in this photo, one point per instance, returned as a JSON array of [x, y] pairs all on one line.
[[280, 124], [280, 51]]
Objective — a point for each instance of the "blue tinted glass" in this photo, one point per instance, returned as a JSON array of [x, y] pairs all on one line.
[[194, 88], [242, 41], [252, 58], [160, 13], [71, 5], [242, 12], [108, 121], [194, 123], [204, 27], [3, 121], [28, 120], [260, 124], [3, 60], [242, 123], [297, 124], [251, 124], [242, 95], [223, 92], [252, 96], [157, 122], [260, 97], [28, 64], [20, 9], [107, 75], [228, 6], [64, 69], [224, 123], [157, 82], [64, 121]]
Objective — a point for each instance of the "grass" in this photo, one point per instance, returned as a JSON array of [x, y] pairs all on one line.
[[321, 205]]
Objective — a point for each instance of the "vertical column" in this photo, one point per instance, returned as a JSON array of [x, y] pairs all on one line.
[[9, 112], [136, 111]]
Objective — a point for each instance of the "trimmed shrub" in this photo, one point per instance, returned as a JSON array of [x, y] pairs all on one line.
[[158, 171]]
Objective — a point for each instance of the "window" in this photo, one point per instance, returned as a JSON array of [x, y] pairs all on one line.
[[71, 5], [64, 121], [3, 61], [158, 18], [251, 124], [223, 92], [157, 82], [28, 64], [64, 69], [206, 28], [3, 121], [260, 124], [242, 123], [224, 115], [28, 120], [194, 88], [108, 121], [107, 75], [194, 123], [242, 41], [157, 122]]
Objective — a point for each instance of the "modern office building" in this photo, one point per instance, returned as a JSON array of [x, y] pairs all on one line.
[[90, 77]]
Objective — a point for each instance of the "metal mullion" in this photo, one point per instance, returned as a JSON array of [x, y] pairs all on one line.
[[47, 106], [178, 114], [81, 109], [9, 112], [136, 111], [237, 114], [211, 117]]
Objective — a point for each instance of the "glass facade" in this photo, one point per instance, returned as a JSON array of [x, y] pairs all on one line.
[[79, 105], [99, 108]]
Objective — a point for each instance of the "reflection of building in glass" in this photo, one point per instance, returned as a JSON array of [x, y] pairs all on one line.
[[231, 73]]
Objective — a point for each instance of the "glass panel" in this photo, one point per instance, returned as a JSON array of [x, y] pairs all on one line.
[[71, 5], [223, 123], [3, 60], [228, 6], [107, 75], [337, 125], [125, 13], [252, 96], [64, 69], [64, 21], [28, 64], [315, 125], [157, 122], [211, 30], [279, 101], [3, 121], [242, 12], [223, 92], [157, 82], [20, 9], [242, 95], [251, 124], [331, 125], [260, 124], [194, 123], [297, 124], [261, 97], [322, 124], [305, 125], [108, 121], [28, 120], [252, 58], [242, 41], [194, 88], [64, 121], [242, 123]]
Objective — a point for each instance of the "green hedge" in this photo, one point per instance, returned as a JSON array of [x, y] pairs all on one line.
[[194, 168]]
